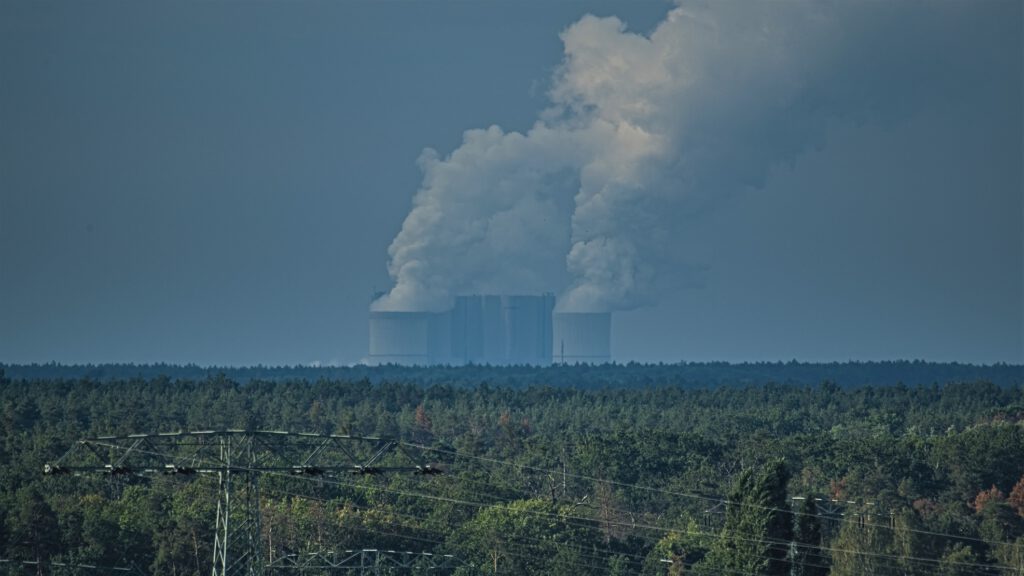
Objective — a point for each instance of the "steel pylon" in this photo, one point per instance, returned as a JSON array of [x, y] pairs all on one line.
[[238, 458], [237, 549], [365, 562]]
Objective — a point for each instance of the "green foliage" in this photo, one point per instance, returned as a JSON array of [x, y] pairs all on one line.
[[663, 446], [32, 526], [806, 554], [679, 550], [524, 537], [959, 561], [758, 531]]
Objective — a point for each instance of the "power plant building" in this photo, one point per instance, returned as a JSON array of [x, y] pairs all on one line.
[[489, 329]]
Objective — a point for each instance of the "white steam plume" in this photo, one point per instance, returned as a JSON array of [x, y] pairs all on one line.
[[642, 131], [488, 218]]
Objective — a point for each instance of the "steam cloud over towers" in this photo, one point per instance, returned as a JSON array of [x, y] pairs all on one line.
[[643, 132]]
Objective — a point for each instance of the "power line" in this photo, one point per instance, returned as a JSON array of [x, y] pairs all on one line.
[[709, 499], [304, 456], [930, 561]]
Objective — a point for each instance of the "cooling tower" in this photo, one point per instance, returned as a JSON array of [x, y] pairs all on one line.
[[582, 337], [528, 328], [499, 330], [410, 338], [478, 333], [479, 329]]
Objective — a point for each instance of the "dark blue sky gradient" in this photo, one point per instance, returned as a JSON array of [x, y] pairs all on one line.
[[218, 182]]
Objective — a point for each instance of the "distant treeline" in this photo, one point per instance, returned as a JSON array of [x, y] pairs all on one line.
[[630, 375]]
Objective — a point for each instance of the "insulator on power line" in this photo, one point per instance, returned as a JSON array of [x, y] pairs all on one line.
[[183, 470], [54, 470], [307, 471]]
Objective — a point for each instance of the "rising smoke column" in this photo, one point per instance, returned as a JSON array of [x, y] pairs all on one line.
[[491, 217], [703, 108], [651, 130]]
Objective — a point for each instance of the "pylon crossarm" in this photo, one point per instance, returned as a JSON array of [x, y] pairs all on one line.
[[263, 451], [88, 445], [421, 466], [239, 458], [340, 444], [76, 568], [276, 448], [323, 444], [154, 449], [355, 559], [380, 452]]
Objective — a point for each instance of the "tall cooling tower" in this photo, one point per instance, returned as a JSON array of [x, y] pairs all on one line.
[[527, 322], [478, 335], [479, 329], [410, 338], [582, 337]]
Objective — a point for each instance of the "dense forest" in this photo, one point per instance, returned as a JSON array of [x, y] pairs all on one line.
[[630, 375], [563, 470]]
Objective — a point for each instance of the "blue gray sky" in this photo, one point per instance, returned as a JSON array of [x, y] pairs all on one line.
[[220, 182]]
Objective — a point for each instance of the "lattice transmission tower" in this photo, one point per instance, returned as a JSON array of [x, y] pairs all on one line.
[[363, 562], [238, 458]]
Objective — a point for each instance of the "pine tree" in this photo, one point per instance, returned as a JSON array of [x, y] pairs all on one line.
[[770, 498], [808, 558], [758, 529], [33, 527]]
